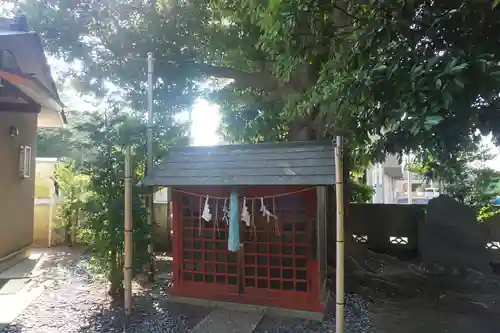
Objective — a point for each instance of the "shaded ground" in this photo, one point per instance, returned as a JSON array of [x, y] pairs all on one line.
[[74, 301], [403, 316]]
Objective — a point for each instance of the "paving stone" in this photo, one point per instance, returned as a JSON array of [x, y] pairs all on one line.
[[12, 286], [226, 321]]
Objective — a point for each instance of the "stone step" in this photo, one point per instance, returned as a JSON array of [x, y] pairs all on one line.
[[13, 259], [21, 269], [228, 321], [12, 286]]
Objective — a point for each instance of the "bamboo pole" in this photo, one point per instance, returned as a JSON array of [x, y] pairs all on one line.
[[149, 167], [51, 215], [74, 225], [127, 267], [410, 185], [339, 186], [169, 217]]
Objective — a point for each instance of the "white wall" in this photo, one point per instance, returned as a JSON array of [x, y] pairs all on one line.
[[384, 187], [161, 196], [370, 181]]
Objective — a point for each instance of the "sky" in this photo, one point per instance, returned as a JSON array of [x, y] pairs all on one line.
[[205, 124], [495, 162]]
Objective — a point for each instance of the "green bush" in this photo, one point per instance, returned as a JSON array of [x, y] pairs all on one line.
[[487, 212], [360, 193]]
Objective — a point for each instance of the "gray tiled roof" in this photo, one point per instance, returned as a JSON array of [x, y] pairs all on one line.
[[287, 163]]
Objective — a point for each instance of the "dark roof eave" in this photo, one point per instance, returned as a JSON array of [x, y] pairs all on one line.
[[36, 91], [146, 183], [31, 40]]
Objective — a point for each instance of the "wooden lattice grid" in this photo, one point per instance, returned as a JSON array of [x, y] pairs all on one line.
[[274, 257]]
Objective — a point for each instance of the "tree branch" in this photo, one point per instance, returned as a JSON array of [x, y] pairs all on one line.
[[263, 80], [345, 12], [241, 78]]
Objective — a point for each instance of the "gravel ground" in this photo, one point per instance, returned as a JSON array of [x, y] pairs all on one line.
[[415, 315], [74, 301], [357, 320]]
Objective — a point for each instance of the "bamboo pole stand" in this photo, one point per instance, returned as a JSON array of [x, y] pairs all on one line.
[[339, 187], [127, 267]]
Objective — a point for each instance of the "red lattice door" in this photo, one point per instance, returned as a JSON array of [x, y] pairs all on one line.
[[204, 255], [275, 266], [277, 254]]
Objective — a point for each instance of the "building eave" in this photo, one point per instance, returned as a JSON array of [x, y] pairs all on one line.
[[32, 75], [40, 95]]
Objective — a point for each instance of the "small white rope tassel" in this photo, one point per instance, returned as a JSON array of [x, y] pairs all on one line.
[[245, 215], [265, 211], [276, 224], [217, 216], [225, 213], [207, 216]]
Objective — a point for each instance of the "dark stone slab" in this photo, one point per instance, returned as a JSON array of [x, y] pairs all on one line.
[[451, 237]]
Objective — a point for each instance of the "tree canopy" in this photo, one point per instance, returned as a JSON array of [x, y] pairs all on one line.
[[419, 75]]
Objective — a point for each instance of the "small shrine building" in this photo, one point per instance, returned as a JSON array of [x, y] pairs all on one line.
[[250, 222]]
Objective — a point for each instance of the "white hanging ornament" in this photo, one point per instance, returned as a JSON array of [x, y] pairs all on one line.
[[217, 216], [206, 215], [276, 225], [245, 215], [225, 213], [265, 211]]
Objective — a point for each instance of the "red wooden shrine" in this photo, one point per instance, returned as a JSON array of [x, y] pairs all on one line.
[[281, 263], [275, 266]]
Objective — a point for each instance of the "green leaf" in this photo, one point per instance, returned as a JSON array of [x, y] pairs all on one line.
[[393, 70], [483, 64], [415, 128], [459, 68], [458, 82], [439, 84], [496, 76], [433, 120], [380, 68], [433, 61], [496, 3], [417, 69], [447, 99], [435, 108]]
